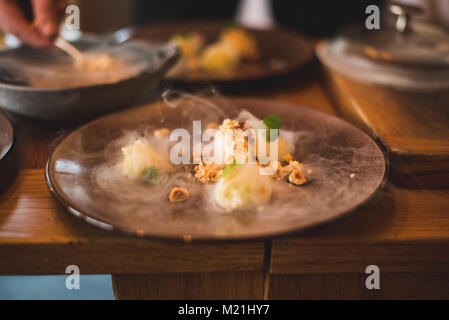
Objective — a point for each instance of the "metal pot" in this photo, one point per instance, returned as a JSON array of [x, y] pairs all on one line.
[[80, 103]]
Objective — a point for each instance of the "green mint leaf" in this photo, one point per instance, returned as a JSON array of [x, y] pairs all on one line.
[[228, 168], [273, 121], [150, 175]]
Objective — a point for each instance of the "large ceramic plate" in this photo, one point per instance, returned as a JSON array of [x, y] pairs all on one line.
[[347, 169], [282, 51]]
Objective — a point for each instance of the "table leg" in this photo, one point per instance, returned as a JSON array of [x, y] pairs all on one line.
[[207, 285]]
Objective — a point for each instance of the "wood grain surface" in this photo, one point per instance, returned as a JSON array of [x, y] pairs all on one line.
[[414, 128], [410, 285], [400, 230], [192, 286], [405, 232]]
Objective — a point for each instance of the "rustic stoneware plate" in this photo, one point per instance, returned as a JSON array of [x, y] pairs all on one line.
[[6, 136], [282, 51], [347, 168]]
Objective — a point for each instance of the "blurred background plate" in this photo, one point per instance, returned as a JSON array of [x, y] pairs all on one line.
[[348, 168], [6, 135], [282, 51]]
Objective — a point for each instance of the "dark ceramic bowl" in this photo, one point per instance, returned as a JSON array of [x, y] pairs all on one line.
[[69, 104]]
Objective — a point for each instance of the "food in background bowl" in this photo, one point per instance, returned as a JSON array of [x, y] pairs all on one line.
[[241, 41], [219, 58], [234, 46]]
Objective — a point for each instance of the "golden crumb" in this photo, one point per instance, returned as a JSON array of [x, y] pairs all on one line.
[[229, 124], [163, 132], [178, 194], [295, 165], [206, 173], [212, 125], [285, 170], [296, 177], [287, 158], [281, 172]]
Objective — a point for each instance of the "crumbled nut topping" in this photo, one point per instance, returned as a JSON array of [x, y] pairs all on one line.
[[285, 170], [229, 124], [206, 173], [286, 159]]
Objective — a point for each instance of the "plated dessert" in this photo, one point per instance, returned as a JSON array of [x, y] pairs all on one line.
[[244, 163], [198, 168]]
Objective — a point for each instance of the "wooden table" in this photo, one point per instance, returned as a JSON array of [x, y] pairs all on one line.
[[403, 231]]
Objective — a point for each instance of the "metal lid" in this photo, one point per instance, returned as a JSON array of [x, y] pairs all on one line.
[[422, 45], [408, 54]]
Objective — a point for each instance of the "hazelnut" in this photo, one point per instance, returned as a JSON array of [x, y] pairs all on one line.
[[178, 194], [296, 177]]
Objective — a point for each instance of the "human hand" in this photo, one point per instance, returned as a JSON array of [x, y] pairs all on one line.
[[40, 32]]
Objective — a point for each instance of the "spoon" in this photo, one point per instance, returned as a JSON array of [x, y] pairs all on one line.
[[65, 46]]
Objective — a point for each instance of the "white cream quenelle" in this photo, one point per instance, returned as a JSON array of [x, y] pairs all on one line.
[[245, 140], [140, 156], [243, 187], [283, 148]]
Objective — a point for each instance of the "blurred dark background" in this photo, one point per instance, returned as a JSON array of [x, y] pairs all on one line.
[[314, 17]]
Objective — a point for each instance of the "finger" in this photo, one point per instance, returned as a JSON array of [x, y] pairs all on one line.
[[46, 17], [13, 21]]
